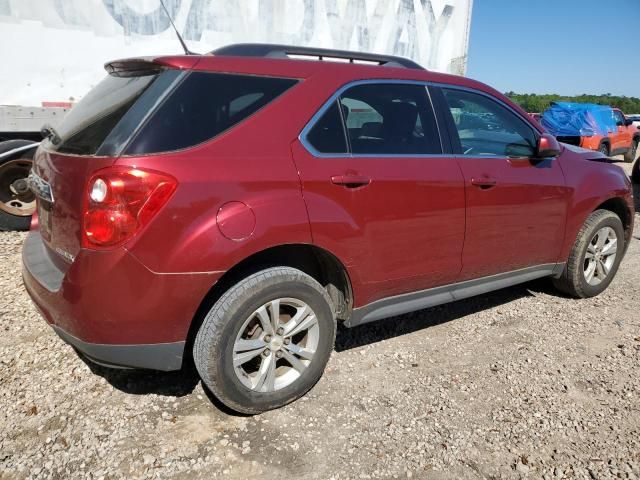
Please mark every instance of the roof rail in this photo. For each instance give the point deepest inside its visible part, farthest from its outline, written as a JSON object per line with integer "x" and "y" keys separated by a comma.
{"x": 288, "y": 51}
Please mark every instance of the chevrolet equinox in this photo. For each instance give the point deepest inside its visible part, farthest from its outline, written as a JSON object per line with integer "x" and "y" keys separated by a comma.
{"x": 231, "y": 208}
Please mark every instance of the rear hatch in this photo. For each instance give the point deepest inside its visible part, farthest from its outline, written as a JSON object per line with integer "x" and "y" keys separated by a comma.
{"x": 143, "y": 107}
{"x": 90, "y": 137}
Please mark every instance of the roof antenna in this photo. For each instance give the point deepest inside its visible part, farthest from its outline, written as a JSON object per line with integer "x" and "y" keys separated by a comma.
{"x": 184, "y": 45}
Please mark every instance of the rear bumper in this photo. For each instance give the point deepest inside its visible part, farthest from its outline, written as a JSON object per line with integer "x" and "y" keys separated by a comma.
{"x": 112, "y": 308}
{"x": 158, "y": 356}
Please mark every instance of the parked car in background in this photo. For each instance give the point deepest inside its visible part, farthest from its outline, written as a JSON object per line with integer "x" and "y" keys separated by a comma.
{"x": 231, "y": 208}
{"x": 596, "y": 127}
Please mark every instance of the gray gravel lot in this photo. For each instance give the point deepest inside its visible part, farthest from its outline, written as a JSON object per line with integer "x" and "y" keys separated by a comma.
{"x": 520, "y": 383}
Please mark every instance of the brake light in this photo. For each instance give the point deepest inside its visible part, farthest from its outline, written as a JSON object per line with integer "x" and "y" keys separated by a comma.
{"x": 120, "y": 201}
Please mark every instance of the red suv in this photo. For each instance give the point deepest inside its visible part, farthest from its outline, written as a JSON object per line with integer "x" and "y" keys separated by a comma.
{"x": 231, "y": 208}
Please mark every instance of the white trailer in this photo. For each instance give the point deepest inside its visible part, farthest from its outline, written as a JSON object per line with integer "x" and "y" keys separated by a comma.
{"x": 52, "y": 51}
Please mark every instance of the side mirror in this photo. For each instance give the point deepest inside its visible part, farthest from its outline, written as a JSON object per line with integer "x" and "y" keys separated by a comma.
{"x": 627, "y": 122}
{"x": 547, "y": 146}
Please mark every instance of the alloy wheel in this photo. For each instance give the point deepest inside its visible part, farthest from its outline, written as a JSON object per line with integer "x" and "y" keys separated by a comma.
{"x": 276, "y": 344}
{"x": 600, "y": 256}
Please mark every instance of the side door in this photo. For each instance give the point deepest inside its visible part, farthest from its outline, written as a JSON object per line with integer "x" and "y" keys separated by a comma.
{"x": 379, "y": 192}
{"x": 622, "y": 139}
{"x": 516, "y": 204}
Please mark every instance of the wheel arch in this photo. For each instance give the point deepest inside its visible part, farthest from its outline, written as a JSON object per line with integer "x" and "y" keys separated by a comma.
{"x": 619, "y": 206}
{"x": 315, "y": 261}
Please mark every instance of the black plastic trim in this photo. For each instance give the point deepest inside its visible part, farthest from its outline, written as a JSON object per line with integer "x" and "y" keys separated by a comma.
{"x": 156, "y": 356}
{"x": 411, "y": 302}
{"x": 446, "y": 125}
{"x": 37, "y": 261}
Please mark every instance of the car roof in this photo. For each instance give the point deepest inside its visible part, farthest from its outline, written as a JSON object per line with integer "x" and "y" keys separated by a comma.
{"x": 297, "y": 68}
{"x": 331, "y": 73}
{"x": 341, "y": 72}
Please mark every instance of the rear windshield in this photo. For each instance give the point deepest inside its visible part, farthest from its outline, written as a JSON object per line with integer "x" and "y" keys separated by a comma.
{"x": 162, "y": 112}
{"x": 87, "y": 125}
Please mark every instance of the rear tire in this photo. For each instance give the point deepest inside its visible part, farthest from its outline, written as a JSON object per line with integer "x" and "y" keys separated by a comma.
{"x": 253, "y": 359}
{"x": 589, "y": 269}
{"x": 630, "y": 156}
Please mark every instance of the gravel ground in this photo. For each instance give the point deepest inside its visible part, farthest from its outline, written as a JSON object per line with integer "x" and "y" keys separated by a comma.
{"x": 521, "y": 383}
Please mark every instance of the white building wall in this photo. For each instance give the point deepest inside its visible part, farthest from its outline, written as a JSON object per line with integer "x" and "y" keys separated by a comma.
{"x": 53, "y": 50}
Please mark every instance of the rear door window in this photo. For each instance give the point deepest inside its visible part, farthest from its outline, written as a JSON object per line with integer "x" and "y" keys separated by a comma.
{"x": 390, "y": 119}
{"x": 202, "y": 106}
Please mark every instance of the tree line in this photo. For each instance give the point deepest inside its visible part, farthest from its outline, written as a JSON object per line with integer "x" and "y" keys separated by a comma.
{"x": 533, "y": 103}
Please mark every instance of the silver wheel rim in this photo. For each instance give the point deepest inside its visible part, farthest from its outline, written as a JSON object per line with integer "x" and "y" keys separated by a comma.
{"x": 276, "y": 344}
{"x": 600, "y": 256}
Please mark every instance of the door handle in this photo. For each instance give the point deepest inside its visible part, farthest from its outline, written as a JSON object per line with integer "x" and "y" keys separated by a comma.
{"x": 350, "y": 181}
{"x": 484, "y": 183}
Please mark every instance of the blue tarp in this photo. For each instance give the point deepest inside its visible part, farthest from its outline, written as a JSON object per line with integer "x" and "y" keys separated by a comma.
{"x": 578, "y": 119}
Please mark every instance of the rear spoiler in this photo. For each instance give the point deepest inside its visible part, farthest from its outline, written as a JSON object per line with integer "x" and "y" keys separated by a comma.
{"x": 141, "y": 66}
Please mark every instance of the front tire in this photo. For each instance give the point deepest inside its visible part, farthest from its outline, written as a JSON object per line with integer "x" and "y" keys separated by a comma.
{"x": 630, "y": 156}
{"x": 266, "y": 341}
{"x": 595, "y": 256}
{"x": 604, "y": 149}
{"x": 635, "y": 172}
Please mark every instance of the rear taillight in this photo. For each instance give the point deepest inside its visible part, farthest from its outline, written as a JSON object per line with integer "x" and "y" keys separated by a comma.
{"x": 120, "y": 201}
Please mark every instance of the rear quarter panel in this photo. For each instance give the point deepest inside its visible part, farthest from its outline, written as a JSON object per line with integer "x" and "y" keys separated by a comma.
{"x": 248, "y": 164}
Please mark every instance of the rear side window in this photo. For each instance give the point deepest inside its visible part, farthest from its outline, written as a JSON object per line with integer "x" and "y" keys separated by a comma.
{"x": 327, "y": 135}
{"x": 203, "y": 106}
